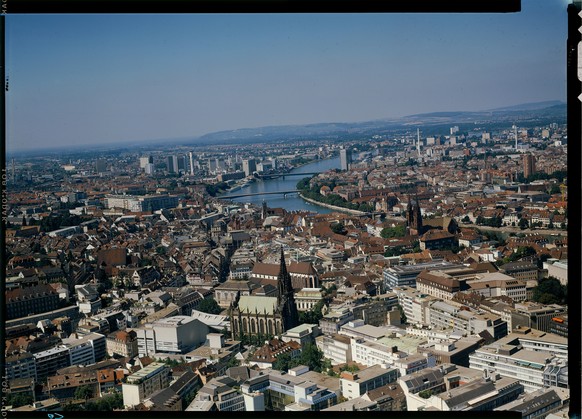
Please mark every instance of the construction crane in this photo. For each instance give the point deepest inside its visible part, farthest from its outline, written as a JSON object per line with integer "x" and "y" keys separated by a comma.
{"x": 563, "y": 188}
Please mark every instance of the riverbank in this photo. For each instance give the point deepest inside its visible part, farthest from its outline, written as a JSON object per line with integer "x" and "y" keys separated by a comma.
{"x": 333, "y": 207}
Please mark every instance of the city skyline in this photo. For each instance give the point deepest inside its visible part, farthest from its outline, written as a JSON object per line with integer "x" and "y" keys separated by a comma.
{"x": 91, "y": 79}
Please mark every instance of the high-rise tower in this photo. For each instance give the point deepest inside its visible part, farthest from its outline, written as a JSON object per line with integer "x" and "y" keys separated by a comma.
{"x": 529, "y": 165}
{"x": 345, "y": 159}
{"x": 190, "y": 154}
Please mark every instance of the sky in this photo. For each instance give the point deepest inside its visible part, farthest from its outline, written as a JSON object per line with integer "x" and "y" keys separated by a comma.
{"x": 95, "y": 79}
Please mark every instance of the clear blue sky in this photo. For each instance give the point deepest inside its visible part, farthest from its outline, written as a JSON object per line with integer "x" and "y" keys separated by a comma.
{"x": 86, "y": 79}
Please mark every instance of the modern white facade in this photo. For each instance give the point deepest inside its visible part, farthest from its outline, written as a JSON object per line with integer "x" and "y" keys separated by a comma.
{"x": 531, "y": 368}
{"x": 336, "y": 348}
{"x": 140, "y": 385}
{"x": 176, "y": 334}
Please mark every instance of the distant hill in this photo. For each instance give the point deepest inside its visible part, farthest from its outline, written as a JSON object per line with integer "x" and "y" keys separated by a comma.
{"x": 533, "y": 112}
{"x": 530, "y": 106}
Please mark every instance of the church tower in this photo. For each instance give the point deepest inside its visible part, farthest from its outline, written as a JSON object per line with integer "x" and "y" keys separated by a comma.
{"x": 414, "y": 216}
{"x": 264, "y": 210}
{"x": 287, "y": 306}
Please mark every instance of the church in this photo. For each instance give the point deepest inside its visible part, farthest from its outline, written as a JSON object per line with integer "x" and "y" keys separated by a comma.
{"x": 255, "y": 315}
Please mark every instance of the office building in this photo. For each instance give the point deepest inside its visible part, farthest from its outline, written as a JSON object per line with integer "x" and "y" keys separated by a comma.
{"x": 141, "y": 203}
{"x": 176, "y": 335}
{"x": 51, "y": 360}
{"x": 529, "y": 165}
{"x": 122, "y": 343}
{"x": 479, "y": 395}
{"x": 445, "y": 315}
{"x": 220, "y": 395}
{"x": 144, "y": 161}
{"x": 354, "y": 385}
{"x": 149, "y": 169}
{"x": 22, "y": 302}
{"x": 182, "y": 164}
{"x": 100, "y": 166}
{"x": 143, "y": 383}
{"x": 533, "y": 369}
{"x": 191, "y": 158}
{"x": 400, "y": 276}
{"x": 249, "y": 166}
{"x": 172, "y": 164}
{"x": 21, "y": 365}
{"x": 345, "y": 158}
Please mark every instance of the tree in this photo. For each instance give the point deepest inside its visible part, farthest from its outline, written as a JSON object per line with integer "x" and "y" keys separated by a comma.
{"x": 312, "y": 316}
{"x": 390, "y": 232}
{"x": 339, "y": 228}
{"x": 549, "y": 291}
{"x": 402, "y": 314}
{"x": 106, "y": 404}
{"x": 84, "y": 392}
{"x": 523, "y": 223}
{"x": 311, "y": 356}
{"x": 284, "y": 362}
{"x": 210, "y": 306}
{"x": 19, "y": 399}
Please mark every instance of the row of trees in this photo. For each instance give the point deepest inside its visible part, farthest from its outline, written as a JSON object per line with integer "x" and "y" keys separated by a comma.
{"x": 393, "y": 232}
{"x": 312, "y": 192}
{"x": 310, "y": 356}
{"x": 213, "y": 190}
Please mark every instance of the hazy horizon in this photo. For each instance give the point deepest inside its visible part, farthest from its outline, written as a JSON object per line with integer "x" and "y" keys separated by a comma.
{"x": 98, "y": 79}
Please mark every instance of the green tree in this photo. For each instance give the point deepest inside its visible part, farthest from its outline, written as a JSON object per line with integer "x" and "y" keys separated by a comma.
{"x": 391, "y": 232}
{"x": 339, "y": 228}
{"x": 312, "y": 316}
{"x": 284, "y": 362}
{"x": 84, "y": 392}
{"x": 19, "y": 399}
{"x": 403, "y": 318}
{"x": 210, "y": 306}
{"x": 311, "y": 356}
{"x": 550, "y": 291}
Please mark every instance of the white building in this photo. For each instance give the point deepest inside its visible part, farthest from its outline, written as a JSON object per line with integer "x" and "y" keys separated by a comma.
{"x": 533, "y": 369}
{"x": 337, "y": 348}
{"x": 354, "y": 385}
{"x": 558, "y": 269}
{"x": 415, "y": 304}
{"x": 176, "y": 334}
{"x": 307, "y": 298}
{"x": 141, "y": 203}
{"x": 140, "y": 385}
{"x": 444, "y": 315}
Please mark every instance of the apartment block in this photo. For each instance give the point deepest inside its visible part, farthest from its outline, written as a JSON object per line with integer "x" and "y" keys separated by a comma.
{"x": 444, "y": 315}
{"x": 533, "y": 369}
{"x": 415, "y": 304}
{"x": 20, "y": 365}
{"x": 354, "y": 385}
{"x": 337, "y": 348}
{"x": 141, "y": 384}
{"x": 49, "y": 361}
{"x": 479, "y": 395}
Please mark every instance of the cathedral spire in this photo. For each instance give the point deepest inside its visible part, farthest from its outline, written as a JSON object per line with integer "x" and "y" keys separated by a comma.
{"x": 286, "y": 297}
{"x": 284, "y": 279}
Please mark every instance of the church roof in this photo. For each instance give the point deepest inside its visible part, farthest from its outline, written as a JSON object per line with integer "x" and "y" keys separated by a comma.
{"x": 260, "y": 304}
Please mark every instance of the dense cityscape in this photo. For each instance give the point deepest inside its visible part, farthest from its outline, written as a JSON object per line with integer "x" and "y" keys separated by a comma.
{"x": 422, "y": 268}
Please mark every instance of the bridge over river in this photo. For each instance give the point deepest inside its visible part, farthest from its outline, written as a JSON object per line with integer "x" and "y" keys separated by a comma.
{"x": 282, "y": 175}
{"x": 241, "y": 195}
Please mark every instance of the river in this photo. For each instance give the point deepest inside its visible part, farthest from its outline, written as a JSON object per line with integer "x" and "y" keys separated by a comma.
{"x": 292, "y": 202}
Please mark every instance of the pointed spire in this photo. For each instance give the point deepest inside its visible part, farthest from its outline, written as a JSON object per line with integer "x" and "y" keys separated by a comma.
{"x": 283, "y": 277}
